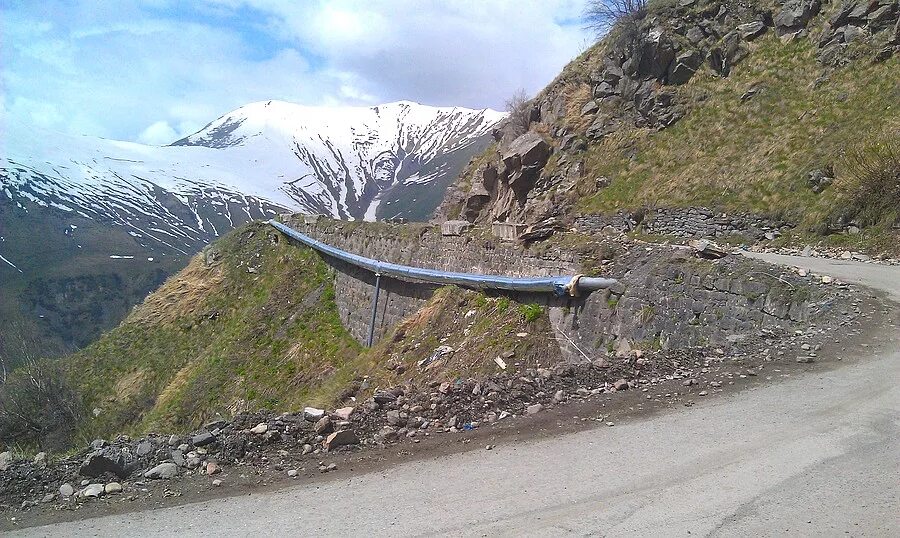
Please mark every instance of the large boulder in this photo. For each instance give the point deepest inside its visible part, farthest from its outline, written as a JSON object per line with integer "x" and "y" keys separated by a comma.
{"x": 105, "y": 460}
{"x": 203, "y": 439}
{"x": 653, "y": 58}
{"x": 752, "y": 30}
{"x": 684, "y": 67}
{"x": 530, "y": 149}
{"x": 475, "y": 202}
{"x": 793, "y": 17}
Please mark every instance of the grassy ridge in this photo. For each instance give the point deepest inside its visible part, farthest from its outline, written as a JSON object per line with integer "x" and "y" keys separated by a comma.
{"x": 257, "y": 327}
{"x": 252, "y": 323}
{"x": 752, "y": 154}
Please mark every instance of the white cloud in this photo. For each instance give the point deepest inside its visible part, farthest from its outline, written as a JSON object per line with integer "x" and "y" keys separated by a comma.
{"x": 158, "y": 133}
{"x": 138, "y": 72}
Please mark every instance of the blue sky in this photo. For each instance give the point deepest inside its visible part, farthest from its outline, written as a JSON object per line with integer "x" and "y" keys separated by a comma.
{"x": 155, "y": 70}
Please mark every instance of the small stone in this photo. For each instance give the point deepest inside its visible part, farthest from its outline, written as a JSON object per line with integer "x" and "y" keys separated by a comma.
{"x": 620, "y": 385}
{"x": 5, "y": 460}
{"x": 163, "y": 470}
{"x": 610, "y": 423}
{"x": 292, "y": 473}
{"x": 341, "y": 438}
{"x": 216, "y": 483}
{"x": 307, "y": 449}
{"x": 534, "y": 409}
{"x": 203, "y": 439}
{"x": 489, "y": 447}
{"x": 703, "y": 393}
{"x": 212, "y": 468}
{"x": 313, "y": 414}
{"x": 48, "y": 498}
{"x": 93, "y": 490}
{"x": 40, "y": 459}
{"x": 174, "y": 440}
{"x": 395, "y": 418}
{"x": 66, "y": 490}
{"x": 324, "y": 426}
{"x": 559, "y": 396}
{"x": 343, "y": 413}
{"x": 260, "y": 428}
{"x": 112, "y": 488}
{"x": 144, "y": 448}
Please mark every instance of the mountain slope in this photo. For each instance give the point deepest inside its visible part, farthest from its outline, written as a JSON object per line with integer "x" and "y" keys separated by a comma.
{"x": 347, "y": 162}
{"x": 752, "y": 109}
{"x": 89, "y": 226}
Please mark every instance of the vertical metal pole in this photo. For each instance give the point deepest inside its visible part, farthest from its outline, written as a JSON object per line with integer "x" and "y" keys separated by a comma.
{"x": 374, "y": 310}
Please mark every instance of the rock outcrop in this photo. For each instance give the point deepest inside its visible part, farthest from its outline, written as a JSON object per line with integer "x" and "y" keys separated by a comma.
{"x": 631, "y": 80}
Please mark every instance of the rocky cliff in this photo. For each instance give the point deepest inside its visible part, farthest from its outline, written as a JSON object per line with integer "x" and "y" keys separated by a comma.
{"x": 722, "y": 106}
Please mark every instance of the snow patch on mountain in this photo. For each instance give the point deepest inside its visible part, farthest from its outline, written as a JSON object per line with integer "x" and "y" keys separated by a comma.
{"x": 251, "y": 163}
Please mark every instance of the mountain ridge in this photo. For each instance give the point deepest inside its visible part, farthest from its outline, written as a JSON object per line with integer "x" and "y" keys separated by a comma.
{"x": 111, "y": 213}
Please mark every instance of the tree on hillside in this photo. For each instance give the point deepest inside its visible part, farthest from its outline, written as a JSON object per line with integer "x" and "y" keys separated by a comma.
{"x": 518, "y": 106}
{"x": 38, "y": 406}
{"x": 601, "y": 16}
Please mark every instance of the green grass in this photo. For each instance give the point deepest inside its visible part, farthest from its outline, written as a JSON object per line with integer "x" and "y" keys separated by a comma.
{"x": 531, "y": 312}
{"x": 218, "y": 339}
{"x": 751, "y": 155}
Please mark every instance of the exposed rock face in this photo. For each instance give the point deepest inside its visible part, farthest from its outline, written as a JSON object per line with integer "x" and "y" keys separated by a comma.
{"x": 793, "y": 17}
{"x": 505, "y": 183}
{"x": 857, "y": 20}
{"x": 633, "y": 82}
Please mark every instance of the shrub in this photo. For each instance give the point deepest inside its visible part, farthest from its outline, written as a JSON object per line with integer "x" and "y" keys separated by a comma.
{"x": 870, "y": 183}
{"x": 531, "y": 312}
{"x": 601, "y": 16}
{"x": 38, "y": 406}
{"x": 518, "y": 106}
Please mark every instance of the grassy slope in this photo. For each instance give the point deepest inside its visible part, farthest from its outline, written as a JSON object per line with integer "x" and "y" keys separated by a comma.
{"x": 69, "y": 290}
{"x": 740, "y": 155}
{"x": 752, "y": 155}
{"x": 217, "y": 339}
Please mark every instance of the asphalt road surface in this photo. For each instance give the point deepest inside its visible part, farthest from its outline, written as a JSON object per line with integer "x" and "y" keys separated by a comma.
{"x": 815, "y": 455}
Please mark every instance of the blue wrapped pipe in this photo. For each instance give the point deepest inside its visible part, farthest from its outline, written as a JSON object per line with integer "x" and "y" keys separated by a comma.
{"x": 559, "y": 285}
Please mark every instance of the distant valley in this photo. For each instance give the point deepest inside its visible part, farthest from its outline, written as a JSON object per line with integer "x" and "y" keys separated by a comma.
{"x": 89, "y": 226}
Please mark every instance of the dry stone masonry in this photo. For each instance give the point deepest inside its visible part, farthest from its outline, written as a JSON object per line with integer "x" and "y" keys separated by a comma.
{"x": 668, "y": 299}
{"x": 696, "y": 222}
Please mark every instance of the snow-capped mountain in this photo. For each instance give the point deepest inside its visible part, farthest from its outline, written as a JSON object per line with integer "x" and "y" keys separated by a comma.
{"x": 350, "y": 162}
{"x": 89, "y": 226}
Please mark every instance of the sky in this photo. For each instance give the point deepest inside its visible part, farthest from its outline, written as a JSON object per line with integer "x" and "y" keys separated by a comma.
{"x": 152, "y": 71}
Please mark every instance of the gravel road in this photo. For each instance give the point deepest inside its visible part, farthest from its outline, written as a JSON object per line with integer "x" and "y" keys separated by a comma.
{"x": 812, "y": 455}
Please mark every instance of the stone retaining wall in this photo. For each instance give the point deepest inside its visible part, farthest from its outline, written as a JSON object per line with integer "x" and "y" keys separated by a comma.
{"x": 418, "y": 245}
{"x": 669, "y": 298}
{"x": 697, "y": 222}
